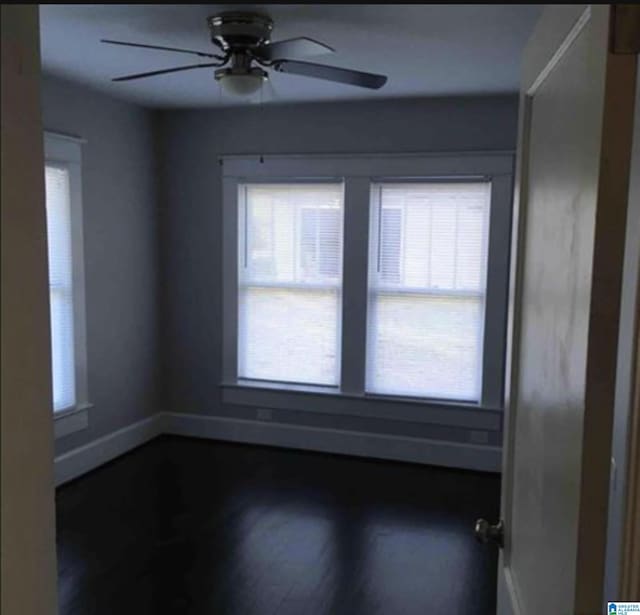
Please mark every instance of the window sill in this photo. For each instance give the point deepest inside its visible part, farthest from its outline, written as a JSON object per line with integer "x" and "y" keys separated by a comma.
{"x": 330, "y": 400}
{"x": 284, "y": 386}
{"x": 71, "y": 420}
{"x": 335, "y": 391}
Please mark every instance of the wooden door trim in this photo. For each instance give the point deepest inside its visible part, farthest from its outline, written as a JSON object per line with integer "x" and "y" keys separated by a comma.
{"x": 630, "y": 539}
{"x": 625, "y": 28}
{"x": 630, "y": 560}
{"x": 630, "y": 572}
{"x": 604, "y": 321}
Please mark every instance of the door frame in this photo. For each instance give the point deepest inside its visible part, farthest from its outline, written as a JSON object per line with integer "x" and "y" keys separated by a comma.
{"x": 28, "y": 571}
{"x": 629, "y": 586}
{"x": 630, "y": 570}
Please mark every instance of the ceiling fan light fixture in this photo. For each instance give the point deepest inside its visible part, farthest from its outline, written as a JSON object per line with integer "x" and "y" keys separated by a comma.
{"x": 241, "y": 83}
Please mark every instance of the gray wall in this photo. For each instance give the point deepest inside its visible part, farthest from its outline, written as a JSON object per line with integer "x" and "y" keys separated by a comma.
{"x": 120, "y": 239}
{"x": 190, "y": 217}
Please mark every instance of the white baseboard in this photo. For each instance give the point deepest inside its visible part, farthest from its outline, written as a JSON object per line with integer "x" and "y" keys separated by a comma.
{"x": 359, "y": 444}
{"x": 85, "y": 458}
{"x": 80, "y": 460}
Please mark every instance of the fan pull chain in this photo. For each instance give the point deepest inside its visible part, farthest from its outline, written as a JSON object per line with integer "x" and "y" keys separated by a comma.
{"x": 261, "y": 122}
{"x": 220, "y": 160}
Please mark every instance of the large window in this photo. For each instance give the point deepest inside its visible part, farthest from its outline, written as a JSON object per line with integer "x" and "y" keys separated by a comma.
{"x": 290, "y": 276}
{"x": 66, "y": 281}
{"x": 417, "y": 311}
{"x": 427, "y": 287}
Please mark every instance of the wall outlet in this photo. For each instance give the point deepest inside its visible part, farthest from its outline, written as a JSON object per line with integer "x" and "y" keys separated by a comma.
{"x": 264, "y": 414}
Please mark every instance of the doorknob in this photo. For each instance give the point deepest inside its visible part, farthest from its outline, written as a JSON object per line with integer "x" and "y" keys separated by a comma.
{"x": 485, "y": 532}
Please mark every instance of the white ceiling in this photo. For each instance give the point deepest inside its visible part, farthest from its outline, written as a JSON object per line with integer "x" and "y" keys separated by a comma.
{"x": 426, "y": 50}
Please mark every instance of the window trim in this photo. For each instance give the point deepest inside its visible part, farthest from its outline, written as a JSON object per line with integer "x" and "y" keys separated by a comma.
{"x": 358, "y": 172}
{"x": 67, "y": 151}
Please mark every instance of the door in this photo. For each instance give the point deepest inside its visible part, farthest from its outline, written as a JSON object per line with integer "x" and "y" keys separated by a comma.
{"x": 576, "y": 115}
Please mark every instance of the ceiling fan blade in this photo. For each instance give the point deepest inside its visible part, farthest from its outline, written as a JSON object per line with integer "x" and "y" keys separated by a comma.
{"x": 176, "y": 49}
{"x": 331, "y": 73}
{"x": 302, "y": 46}
{"x": 164, "y": 71}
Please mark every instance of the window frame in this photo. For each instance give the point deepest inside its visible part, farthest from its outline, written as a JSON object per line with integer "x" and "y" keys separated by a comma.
{"x": 359, "y": 172}
{"x": 66, "y": 151}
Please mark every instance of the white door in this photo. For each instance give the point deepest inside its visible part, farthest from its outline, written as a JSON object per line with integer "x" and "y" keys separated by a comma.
{"x": 576, "y": 115}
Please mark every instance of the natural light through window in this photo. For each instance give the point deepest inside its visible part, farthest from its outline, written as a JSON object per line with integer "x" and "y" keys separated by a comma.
{"x": 290, "y": 278}
{"x": 427, "y": 289}
{"x": 58, "y": 206}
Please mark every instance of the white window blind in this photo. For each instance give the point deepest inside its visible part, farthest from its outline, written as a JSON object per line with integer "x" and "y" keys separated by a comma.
{"x": 427, "y": 289}
{"x": 290, "y": 277}
{"x": 58, "y": 208}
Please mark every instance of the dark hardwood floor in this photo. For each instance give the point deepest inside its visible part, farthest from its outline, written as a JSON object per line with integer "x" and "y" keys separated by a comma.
{"x": 198, "y": 527}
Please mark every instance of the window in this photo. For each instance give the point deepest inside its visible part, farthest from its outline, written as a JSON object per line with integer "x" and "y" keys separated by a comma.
{"x": 66, "y": 280}
{"x": 290, "y": 276}
{"x": 427, "y": 286}
{"x": 414, "y": 320}
{"x": 60, "y": 285}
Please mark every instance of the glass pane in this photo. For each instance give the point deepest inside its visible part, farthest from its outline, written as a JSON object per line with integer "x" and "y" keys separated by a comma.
{"x": 62, "y": 361}
{"x": 433, "y": 236}
{"x": 426, "y": 346}
{"x": 293, "y": 233}
{"x": 289, "y": 335}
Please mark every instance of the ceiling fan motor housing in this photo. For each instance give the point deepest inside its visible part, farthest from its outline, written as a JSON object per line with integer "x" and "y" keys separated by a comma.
{"x": 233, "y": 30}
{"x": 253, "y": 71}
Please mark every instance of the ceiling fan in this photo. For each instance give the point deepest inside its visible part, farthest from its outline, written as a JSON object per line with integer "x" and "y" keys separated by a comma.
{"x": 244, "y": 50}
